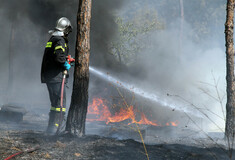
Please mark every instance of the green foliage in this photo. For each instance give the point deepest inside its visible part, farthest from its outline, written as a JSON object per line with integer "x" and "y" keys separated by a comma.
{"x": 133, "y": 33}
{"x": 203, "y": 18}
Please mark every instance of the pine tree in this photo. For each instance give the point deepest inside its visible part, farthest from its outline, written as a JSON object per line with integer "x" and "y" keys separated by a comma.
{"x": 230, "y": 106}
{"x": 79, "y": 102}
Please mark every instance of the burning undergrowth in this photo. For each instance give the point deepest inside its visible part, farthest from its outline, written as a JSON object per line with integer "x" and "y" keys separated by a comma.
{"x": 118, "y": 119}
{"x": 99, "y": 111}
{"x": 116, "y": 111}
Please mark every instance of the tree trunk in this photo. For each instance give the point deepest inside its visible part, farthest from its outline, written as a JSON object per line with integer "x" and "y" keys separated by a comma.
{"x": 79, "y": 102}
{"x": 230, "y": 106}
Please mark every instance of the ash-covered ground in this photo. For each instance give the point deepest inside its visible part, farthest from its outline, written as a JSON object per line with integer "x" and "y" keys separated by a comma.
{"x": 110, "y": 142}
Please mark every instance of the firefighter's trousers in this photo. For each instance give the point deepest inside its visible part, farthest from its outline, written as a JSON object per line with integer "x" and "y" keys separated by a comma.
{"x": 55, "y": 116}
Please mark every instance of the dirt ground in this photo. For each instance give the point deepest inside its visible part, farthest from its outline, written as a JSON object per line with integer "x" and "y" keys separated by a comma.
{"x": 109, "y": 144}
{"x": 97, "y": 147}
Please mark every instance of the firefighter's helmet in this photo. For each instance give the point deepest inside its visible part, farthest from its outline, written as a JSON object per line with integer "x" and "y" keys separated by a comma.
{"x": 63, "y": 24}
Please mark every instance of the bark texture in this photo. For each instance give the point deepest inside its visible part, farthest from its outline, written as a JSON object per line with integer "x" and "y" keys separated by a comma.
{"x": 79, "y": 102}
{"x": 230, "y": 106}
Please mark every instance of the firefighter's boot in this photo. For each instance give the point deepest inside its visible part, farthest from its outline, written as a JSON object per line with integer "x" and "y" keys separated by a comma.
{"x": 51, "y": 128}
{"x": 56, "y": 118}
{"x": 53, "y": 123}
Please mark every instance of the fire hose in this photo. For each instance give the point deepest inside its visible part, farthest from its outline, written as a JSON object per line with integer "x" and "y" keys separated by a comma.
{"x": 25, "y": 151}
{"x": 70, "y": 60}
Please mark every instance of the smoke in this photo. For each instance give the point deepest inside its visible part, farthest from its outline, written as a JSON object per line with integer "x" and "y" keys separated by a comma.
{"x": 189, "y": 73}
{"x": 29, "y": 22}
{"x": 42, "y": 13}
{"x": 192, "y": 70}
{"x": 103, "y": 30}
{"x": 163, "y": 67}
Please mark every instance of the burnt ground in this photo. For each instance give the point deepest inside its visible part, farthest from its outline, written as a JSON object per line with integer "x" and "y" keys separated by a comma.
{"x": 111, "y": 144}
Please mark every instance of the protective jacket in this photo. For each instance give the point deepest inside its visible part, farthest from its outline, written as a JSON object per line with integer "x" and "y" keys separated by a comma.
{"x": 53, "y": 60}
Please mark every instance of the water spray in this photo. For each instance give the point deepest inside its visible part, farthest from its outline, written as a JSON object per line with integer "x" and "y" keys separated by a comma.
{"x": 138, "y": 91}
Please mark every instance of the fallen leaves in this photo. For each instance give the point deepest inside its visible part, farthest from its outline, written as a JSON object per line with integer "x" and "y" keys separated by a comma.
{"x": 47, "y": 156}
{"x": 17, "y": 149}
{"x": 60, "y": 144}
{"x": 77, "y": 154}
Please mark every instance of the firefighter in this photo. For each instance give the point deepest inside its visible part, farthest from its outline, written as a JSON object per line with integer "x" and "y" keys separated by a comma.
{"x": 53, "y": 64}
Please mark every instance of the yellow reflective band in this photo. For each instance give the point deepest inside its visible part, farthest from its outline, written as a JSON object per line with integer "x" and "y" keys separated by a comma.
{"x": 57, "y": 125}
{"x": 59, "y": 47}
{"x": 49, "y": 44}
{"x": 65, "y": 45}
{"x": 58, "y": 109}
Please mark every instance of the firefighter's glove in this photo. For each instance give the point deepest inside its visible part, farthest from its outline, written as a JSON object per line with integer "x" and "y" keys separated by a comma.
{"x": 67, "y": 66}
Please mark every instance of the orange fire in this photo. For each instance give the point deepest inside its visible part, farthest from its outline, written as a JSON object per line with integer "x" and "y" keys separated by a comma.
{"x": 144, "y": 120}
{"x": 98, "y": 109}
{"x": 100, "y": 112}
{"x": 122, "y": 115}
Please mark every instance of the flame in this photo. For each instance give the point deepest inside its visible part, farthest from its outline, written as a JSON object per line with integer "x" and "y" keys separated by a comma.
{"x": 122, "y": 115}
{"x": 98, "y": 109}
{"x": 144, "y": 120}
{"x": 100, "y": 112}
{"x": 174, "y": 123}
